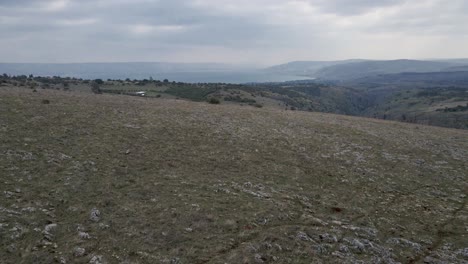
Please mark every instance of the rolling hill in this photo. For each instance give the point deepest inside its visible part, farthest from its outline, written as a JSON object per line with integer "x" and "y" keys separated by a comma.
{"x": 306, "y": 68}
{"x": 106, "y": 178}
{"x": 370, "y": 68}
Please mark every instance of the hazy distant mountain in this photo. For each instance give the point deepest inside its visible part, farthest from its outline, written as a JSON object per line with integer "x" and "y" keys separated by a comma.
{"x": 217, "y": 72}
{"x": 371, "y": 68}
{"x": 457, "y": 61}
{"x": 457, "y": 68}
{"x": 305, "y": 68}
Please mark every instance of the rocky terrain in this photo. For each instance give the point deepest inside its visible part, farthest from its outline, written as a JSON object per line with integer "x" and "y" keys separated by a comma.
{"x": 91, "y": 178}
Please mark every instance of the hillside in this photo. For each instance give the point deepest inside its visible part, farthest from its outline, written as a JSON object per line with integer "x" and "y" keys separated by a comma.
{"x": 438, "y": 99}
{"x": 458, "y": 68}
{"x": 433, "y": 98}
{"x": 117, "y": 179}
{"x": 429, "y": 79}
{"x": 370, "y": 68}
{"x": 305, "y": 68}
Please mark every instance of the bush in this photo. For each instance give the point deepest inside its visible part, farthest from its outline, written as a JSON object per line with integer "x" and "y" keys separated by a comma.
{"x": 257, "y": 105}
{"x": 95, "y": 88}
{"x": 214, "y": 101}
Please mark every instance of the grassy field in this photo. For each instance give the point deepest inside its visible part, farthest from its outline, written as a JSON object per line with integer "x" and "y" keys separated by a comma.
{"x": 119, "y": 179}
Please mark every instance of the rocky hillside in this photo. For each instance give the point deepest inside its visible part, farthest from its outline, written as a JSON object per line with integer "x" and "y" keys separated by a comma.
{"x": 117, "y": 179}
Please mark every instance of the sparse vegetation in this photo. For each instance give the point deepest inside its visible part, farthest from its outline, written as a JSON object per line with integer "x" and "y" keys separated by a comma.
{"x": 424, "y": 103}
{"x": 122, "y": 179}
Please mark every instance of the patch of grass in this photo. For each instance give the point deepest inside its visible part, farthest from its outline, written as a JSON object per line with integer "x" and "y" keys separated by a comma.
{"x": 191, "y": 92}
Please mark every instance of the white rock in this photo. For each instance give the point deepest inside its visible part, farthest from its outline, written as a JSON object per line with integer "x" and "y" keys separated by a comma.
{"x": 84, "y": 235}
{"x": 79, "y": 252}
{"x": 96, "y": 260}
{"x": 95, "y": 215}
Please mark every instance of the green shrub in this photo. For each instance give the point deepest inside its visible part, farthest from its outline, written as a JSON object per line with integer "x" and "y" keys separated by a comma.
{"x": 214, "y": 101}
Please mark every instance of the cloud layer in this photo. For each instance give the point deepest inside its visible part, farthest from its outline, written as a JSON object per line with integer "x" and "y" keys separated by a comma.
{"x": 243, "y": 31}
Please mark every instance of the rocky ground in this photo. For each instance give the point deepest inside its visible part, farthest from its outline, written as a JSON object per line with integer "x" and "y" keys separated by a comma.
{"x": 114, "y": 179}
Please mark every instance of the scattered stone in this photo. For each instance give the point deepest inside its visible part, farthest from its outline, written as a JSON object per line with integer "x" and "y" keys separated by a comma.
{"x": 319, "y": 249}
{"x": 45, "y": 243}
{"x": 84, "y": 235}
{"x": 175, "y": 261}
{"x": 103, "y": 226}
{"x": 405, "y": 243}
{"x": 463, "y": 252}
{"x": 259, "y": 258}
{"x": 95, "y": 215}
{"x": 429, "y": 259}
{"x": 50, "y": 228}
{"x": 62, "y": 156}
{"x": 188, "y": 229}
{"x": 49, "y": 231}
{"x": 303, "y": 236}
{"x": 338, "y": 254}
{"x": 419, "y": 161}
{"x": 327, "y": 238}
{"x": 358, "y": 247}
{"x": 79, "y": 252}
{"x": 343, "y": 249}
{"x": 98, "y": 259}
{"x": 29, "y": 209}
{"x": 11, "y": 248}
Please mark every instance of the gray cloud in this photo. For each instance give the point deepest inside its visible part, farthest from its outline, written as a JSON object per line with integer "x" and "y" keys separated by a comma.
{"x": 355, "y": 7}
{"x": 245, "y": 31}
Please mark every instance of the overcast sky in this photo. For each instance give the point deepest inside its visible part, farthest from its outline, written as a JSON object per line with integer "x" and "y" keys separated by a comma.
{"x": 234, "y": 31}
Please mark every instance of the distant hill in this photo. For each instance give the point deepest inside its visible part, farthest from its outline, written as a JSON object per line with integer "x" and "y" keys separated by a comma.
{"x": 428, "y": 78}
{"x": 218, "y": 72}
{"x": 306, "y": 68}
{"x": 371, "y": 68}
{"x": 458, "y": 61}
{"x": 457, "y": 68}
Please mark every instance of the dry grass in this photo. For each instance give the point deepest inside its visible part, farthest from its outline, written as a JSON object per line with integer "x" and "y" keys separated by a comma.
{"x": 185, "y": 182}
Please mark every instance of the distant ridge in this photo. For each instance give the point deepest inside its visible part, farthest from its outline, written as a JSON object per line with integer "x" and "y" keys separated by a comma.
{"x": 355, "y": 69}
{"x": 369, "y": 68}
{"x": 306, "y": 68}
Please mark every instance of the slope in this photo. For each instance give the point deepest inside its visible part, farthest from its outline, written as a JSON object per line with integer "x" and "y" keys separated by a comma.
{"x": 370, "y": 68}
{"x": 105, "y": 178}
